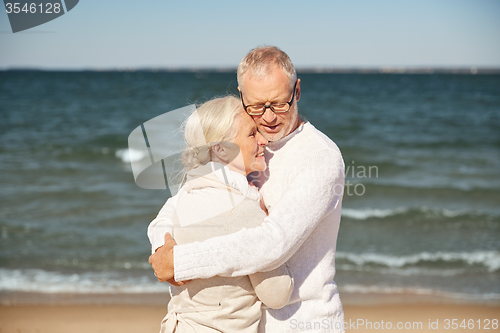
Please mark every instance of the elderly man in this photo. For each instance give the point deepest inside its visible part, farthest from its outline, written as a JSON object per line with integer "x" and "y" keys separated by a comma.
{"x": 302, "y": 189}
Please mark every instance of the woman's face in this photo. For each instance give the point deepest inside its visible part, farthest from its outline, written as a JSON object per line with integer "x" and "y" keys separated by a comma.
{"x": 251, "y": 144}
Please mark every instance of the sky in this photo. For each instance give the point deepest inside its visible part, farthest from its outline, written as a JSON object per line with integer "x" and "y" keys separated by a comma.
{"x": 125, "y": 34}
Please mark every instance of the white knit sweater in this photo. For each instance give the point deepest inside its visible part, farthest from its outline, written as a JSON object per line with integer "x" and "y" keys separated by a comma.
{"x": 302, "y": 189}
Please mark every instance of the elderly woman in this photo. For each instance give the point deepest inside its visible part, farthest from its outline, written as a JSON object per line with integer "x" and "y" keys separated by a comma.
{"x": 223, "y": 147}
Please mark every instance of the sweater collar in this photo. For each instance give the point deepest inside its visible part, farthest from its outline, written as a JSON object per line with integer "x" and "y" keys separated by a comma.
{"x": 278, "y": 144}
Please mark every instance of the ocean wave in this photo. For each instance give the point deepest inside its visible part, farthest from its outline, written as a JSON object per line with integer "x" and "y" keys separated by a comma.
{"x": 365, "y": 289}
{"x": 402, "y": 271}
{"x": 363, "y": 214}
{"x": 128, "y": 155}
{"x": 445, "y": 186}
{"x": 488, "y": 259}
{"x": 367, "y": 213}
{"x": 37, "y": 280}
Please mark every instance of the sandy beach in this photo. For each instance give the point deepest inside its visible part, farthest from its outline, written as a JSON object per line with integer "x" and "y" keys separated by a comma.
{"x": 146, "y": 319}
{"x": 411, "y": 315}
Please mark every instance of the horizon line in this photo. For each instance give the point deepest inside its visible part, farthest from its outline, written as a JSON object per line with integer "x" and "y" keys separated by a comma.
{"x": 300, "y": 69}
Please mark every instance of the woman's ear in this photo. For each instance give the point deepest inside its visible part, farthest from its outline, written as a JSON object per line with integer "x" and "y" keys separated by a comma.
{"x": 219, "y": 151}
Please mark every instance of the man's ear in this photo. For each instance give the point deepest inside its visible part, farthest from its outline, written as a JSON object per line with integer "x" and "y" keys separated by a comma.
{"x": 297, "y": 94}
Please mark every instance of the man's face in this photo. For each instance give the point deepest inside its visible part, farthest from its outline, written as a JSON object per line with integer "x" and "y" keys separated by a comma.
{"x": 272, "y": 88}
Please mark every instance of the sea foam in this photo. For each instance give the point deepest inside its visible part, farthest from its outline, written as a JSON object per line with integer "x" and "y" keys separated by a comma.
{"x": 37, "y": 280}
{"x": 489, "y": 259}
{"x": 129, "y": 155}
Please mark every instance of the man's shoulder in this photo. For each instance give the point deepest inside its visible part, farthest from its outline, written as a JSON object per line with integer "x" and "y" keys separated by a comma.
{"x": 310, "y": 145}
{"x": 315, "y": 140}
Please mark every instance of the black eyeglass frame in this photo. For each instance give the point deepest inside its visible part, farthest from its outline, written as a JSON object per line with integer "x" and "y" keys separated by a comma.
{"x": 268, "y": 106}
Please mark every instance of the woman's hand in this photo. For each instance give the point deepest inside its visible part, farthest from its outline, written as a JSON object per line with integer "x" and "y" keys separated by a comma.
{"x": 163, "y": 261}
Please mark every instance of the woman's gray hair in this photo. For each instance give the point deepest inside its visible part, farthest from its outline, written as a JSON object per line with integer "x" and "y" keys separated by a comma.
{"x": 261, "y": 60}
{"x": 211, "y": 123}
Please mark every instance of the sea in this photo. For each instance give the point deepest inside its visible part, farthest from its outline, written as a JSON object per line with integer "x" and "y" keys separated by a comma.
{"x": 421, "y": 209}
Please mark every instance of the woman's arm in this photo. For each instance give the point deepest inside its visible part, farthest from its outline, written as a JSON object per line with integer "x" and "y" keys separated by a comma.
{"x": 162, "y": 224}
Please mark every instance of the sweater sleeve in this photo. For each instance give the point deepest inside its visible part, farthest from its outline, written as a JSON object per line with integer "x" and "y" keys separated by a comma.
{"x": 315, "y": 191}
{"x": 162, "y": 224}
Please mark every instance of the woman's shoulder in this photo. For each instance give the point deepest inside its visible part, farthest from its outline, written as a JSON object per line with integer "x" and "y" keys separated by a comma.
{"x": 211, "y": 218}
{"x": 247, "y": 214}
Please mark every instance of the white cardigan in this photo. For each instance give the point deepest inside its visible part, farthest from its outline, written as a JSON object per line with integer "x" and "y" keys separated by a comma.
{"x": 208, "y": 207}
{"x": 303, "y": 191}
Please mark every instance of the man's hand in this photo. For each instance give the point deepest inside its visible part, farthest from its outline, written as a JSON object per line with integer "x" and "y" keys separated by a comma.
{"x": 163, "y": 261}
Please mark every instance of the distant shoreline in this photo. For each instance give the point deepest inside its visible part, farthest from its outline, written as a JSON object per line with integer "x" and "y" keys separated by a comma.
{"x": 301, "y": 70}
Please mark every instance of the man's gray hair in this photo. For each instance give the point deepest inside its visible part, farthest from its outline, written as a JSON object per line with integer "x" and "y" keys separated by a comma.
{"x": 261, "y": 60}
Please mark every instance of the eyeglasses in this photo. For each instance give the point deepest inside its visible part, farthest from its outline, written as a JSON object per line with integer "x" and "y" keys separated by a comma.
{"x": 259, "y": 109}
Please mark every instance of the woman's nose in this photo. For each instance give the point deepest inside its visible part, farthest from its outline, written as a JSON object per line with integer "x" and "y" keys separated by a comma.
{"x": 261, "y": 141}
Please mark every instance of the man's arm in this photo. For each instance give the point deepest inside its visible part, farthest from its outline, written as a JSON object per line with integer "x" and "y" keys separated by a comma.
{"x": 316, "y": 191}
{"x": 164, "y": 254}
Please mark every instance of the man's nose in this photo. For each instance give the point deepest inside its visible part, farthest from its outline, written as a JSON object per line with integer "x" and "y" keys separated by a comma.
{"x": 269, "y": 116}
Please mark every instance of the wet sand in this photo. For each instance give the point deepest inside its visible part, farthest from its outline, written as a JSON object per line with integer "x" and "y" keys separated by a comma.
{"x": 408, "y": 314}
